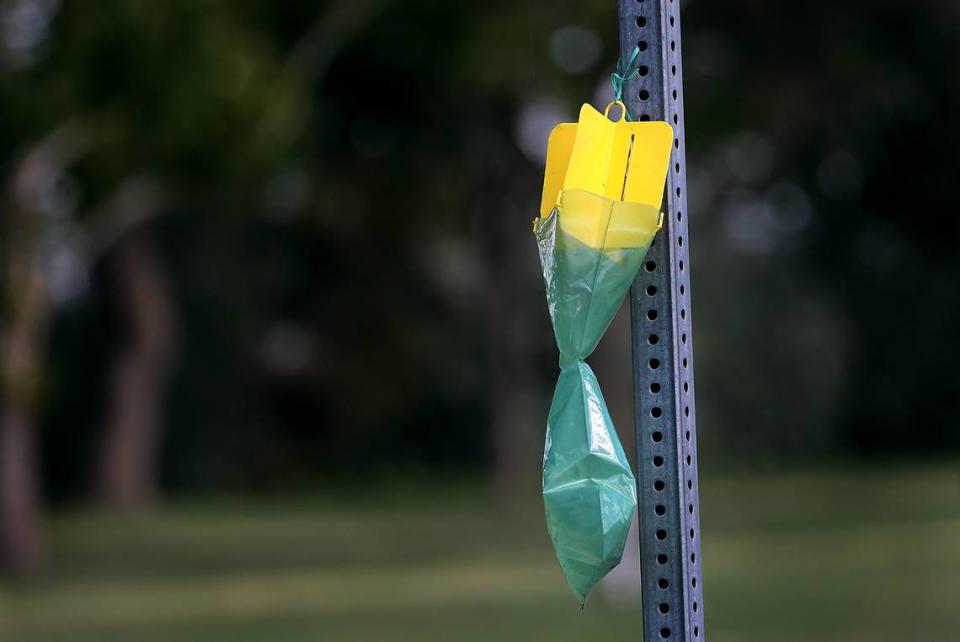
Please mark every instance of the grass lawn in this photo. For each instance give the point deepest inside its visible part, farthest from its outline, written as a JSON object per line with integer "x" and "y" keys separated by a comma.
{"x": 865, "y": 555}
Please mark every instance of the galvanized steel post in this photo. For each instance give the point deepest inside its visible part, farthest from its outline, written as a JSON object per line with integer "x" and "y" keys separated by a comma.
{"x": 663, "y": 348}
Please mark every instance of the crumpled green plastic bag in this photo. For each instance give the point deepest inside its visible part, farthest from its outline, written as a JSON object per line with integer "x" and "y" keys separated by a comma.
{"x": 591, "y": 249}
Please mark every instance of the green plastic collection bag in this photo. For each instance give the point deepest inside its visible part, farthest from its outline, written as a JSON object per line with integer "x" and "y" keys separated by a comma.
{"x": 591, "y": 248}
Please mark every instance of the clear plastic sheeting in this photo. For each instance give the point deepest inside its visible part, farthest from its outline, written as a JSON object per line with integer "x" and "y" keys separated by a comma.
{"x": 591, "y": 248}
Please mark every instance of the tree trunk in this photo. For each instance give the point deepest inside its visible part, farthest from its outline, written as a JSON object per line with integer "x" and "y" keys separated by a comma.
{"x": 517, "y": 416}
{"x": 129, "y": 450}
{"x": 516, "y": 324}
{"x": 613, "y": 363}
{"x": 23, "y": 343}
{"x": 22, "y": 552}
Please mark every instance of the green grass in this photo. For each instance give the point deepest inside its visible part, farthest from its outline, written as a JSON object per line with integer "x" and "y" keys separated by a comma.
{"x": 867, "y": 555}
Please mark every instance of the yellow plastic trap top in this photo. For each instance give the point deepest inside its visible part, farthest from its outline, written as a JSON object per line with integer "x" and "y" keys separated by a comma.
{"x": 625, "y": 162}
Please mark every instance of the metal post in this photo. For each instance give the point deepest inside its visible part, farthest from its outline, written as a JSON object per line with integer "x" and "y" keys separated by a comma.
{"x": 662, "y": 348}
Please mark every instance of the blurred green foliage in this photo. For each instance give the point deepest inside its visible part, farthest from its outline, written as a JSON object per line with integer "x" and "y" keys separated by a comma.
{"x": 353, "y": 207}
{"x": 189, "y": 90}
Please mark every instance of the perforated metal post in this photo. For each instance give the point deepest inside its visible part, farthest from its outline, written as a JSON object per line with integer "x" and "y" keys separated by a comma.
{"x": 662, "y": 348}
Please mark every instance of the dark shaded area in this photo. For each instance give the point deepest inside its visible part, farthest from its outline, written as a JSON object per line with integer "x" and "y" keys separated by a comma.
{"x": 345, "y": 224}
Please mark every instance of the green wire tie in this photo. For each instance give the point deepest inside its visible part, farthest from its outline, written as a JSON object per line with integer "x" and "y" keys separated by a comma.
{"x": 620, "y": 77}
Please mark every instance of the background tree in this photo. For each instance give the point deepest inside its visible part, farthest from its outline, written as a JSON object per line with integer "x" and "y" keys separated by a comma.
{"x": 188, "y": 94}
{"x": 331, "y": 217}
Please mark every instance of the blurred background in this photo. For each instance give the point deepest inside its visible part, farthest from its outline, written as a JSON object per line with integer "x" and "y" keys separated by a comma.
{"x": 275, "y": 352}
